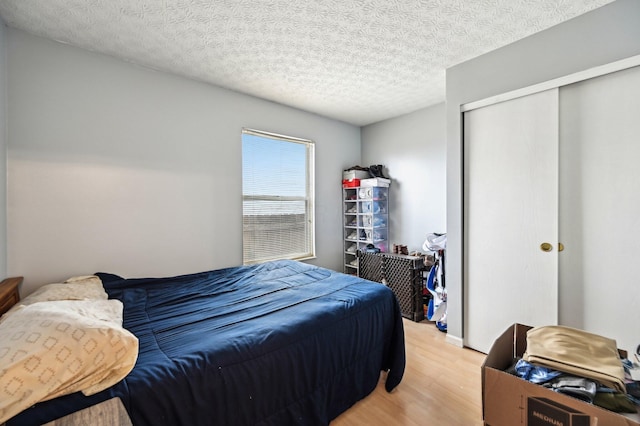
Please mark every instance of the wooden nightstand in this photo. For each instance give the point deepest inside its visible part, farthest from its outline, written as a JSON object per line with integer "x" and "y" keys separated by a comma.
{"x": 9, "y": 295}
{"x": 108, "y": 413}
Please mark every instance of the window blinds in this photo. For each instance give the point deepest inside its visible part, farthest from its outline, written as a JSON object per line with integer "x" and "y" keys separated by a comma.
{"x": 277, "y": 196}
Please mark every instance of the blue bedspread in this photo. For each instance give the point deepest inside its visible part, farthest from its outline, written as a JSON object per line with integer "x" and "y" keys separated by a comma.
{"x": 272, "y": 344}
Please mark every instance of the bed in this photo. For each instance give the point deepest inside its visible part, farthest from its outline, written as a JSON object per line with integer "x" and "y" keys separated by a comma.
{"x": 272, "y": 344}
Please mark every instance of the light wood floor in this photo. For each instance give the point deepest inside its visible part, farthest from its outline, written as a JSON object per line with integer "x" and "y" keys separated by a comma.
{"x": 440, "y": 387}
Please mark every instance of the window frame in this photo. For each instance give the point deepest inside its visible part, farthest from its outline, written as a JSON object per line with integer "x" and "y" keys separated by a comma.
{"x": 308, "y": 198}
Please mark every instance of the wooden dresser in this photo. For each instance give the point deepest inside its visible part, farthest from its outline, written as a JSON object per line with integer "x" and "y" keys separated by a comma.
{"x": 9, "y": 295}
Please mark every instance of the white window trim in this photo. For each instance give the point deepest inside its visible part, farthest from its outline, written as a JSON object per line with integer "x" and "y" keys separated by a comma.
{"x": 310, "y": 170}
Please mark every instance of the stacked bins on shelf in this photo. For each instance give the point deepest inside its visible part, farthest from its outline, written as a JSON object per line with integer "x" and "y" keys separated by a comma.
{"x": 366, "y": 220}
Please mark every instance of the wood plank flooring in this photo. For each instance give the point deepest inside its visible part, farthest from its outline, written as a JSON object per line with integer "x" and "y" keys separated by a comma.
{"x": 441, "y": 386}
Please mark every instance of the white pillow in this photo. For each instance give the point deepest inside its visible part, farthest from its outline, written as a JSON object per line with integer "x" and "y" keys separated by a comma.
{"x": 77, "y": 288}
{"x": 82, "y": 278}
{"x": 54, "y": 348}
{"x": 87, "y": 287}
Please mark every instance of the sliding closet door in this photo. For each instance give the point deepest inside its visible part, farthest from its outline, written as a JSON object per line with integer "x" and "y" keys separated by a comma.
{"x": 511, "y": 209}
{"x": 600, "y": 206}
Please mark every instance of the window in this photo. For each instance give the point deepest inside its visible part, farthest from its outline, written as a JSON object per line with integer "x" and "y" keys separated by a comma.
{"x": 277, "y": 197}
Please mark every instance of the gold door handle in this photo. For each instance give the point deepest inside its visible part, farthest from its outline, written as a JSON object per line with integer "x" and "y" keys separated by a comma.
{"x": 560, "y": 246}
{"x": 546, "y": 247}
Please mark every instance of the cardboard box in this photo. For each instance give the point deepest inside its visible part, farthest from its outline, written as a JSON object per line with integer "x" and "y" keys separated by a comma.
{"x": 543, "y": 411}
{"x": 506, "y": 399}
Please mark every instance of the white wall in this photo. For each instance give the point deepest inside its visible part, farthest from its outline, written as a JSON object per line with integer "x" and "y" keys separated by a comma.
{"x": 412, "y": 148}
{"x": 114, "y": 167}
{"x": 602, "y": 36}
{"x": 3, "y": 149}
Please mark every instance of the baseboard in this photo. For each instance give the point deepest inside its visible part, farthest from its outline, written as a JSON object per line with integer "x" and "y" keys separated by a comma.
{"x": 455, "y": 341}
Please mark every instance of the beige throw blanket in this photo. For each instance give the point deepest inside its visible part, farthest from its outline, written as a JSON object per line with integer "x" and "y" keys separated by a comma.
{"x": 576, "y": 352}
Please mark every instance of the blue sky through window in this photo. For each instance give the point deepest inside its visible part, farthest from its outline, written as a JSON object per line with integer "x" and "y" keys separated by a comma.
{"x": 273, "y": 167}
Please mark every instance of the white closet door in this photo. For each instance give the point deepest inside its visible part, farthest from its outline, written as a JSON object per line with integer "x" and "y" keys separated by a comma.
{"x": 600, "y": 206}
{"x": 511, "y": 208}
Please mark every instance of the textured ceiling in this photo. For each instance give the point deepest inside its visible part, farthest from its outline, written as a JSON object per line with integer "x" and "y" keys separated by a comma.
{"x": 359, "y": 61}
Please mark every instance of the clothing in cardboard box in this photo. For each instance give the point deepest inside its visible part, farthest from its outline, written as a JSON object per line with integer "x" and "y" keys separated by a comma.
{"x": 576, "y": 352}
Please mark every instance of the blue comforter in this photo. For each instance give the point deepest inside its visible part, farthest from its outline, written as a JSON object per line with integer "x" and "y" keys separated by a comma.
{"x": 272, "y": 344}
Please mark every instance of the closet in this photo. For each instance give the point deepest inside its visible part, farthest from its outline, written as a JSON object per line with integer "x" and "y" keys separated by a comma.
{"x": 552, "y": 210}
